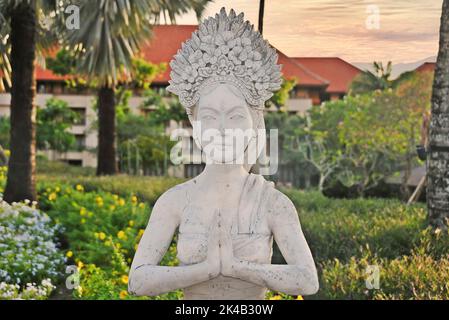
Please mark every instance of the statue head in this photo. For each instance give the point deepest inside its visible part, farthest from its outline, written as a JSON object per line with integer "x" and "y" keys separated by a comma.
{"x": 223, "y": 75}
{"x": 225, "y": 127}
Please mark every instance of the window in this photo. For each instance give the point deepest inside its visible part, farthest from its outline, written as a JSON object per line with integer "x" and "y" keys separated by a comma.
{"x": 77, "y": 163}
{"x": 80, "y": 141}
{"x": 81, "y": 112}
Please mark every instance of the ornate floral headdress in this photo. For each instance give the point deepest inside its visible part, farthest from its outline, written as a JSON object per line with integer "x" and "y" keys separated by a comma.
{"x": 225, "y": 49}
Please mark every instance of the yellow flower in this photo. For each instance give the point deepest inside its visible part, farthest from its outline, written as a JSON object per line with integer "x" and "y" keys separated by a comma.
{"x": 79, "y": 289}
{"x": 121, "y": 234}
{"x": 69, "y": 254}
{"x": 99, "y": 201}
{"x": 135, "y": 247}
{"x": 131, "y": 223}
{"x": 141, "y": 205}
{"x": 141, "y": 231}
{"x": 79, "y": 187}
{"x": 80, "y": 264}
{"x": 52, "y": 196}
{"x": 134, "y": 199}
{"x": 83, "y": 211}
{"x": 101, "y": 235}
{"x": 299, "y": 298}
{"x": 123, "y": 294}
{"x": 112, "y": 207}
{"x": 57, "y": 189}
{"x": 124, "y": 279}
{"x": 276, "y": 297}
{"x": 115, "y": 196}
{"x": 121, "y": 202}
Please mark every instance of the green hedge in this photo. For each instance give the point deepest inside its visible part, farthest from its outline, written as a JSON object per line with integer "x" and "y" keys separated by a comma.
{"x": 145, "y": 188}
{"x": 347, "y": 236}
{"x": 338, "y": 228}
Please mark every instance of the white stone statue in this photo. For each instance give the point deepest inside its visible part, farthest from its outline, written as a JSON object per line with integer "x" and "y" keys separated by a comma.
{"x": 226, "y": 218}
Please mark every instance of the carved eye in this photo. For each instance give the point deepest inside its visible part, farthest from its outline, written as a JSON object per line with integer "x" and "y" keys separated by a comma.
{"x": 208, "y": 117}
{"x": 237, "y": 116}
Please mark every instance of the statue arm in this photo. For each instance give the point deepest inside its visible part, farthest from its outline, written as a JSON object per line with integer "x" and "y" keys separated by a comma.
{"x": 299, "y": 277}
{"x": 146, "y": 277}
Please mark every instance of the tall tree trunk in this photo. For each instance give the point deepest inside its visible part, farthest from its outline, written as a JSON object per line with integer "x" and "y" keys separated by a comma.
{"x": 438, "y": 155}
{"x": 261, "y": 14}
{"x": 107, "y": 164}
{"x": 20, "y": 183}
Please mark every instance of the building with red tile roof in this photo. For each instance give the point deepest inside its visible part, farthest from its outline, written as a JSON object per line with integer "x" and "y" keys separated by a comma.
{"x": 318, "y": 79}
{"x": 426, "y": 67}
{"x": 336, "y": 71}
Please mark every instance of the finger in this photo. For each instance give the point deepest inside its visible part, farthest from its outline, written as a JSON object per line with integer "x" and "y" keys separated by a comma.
{"x": 214, "y": 236}
{"x": 225, "y": 238}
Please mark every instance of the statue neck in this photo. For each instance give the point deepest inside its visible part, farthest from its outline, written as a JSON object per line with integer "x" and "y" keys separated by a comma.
{"x": 224, "y": 173}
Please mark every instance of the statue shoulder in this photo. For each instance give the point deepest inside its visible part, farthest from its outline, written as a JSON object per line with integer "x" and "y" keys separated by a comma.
{"x": 174, "y": 198}
{"x": 278, "y": 204}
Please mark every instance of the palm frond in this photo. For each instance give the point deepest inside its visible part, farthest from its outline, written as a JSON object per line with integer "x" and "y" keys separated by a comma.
{"x": 109, "y": 37}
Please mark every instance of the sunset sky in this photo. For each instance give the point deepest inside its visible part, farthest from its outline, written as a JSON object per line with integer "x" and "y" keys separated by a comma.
{"x": 408, "y": 29}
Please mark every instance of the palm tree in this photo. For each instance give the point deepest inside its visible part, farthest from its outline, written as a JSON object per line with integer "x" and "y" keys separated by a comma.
{"x": 380, "y": 79}
{"x": 438, "y": 155}
{"x": 22, "y": 36}
{"x": 369, "y": 81}
{"x": 110, "y": 36}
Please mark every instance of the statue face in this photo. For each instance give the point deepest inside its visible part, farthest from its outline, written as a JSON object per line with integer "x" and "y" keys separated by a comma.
{"x": 223, "y": 124}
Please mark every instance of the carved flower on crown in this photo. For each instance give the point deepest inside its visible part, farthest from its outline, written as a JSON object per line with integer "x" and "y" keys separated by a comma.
{"x": 206, "y": 72}
{"x": 262, "y": 83}
{"x": 238, "y": 55}
{"x": 262, "y": 86}
{"x": 209, "y": 58}
{"x": 239, "y": 70}
{"x": 189, "y": 74}
{"x": 225, "y": 41}
{"x": 196, "y": 59}
{"x": 223, "y": 66}
{"x": 254, "y": 60}
{"x": 185, "y": 86}
{"x": 257, "y": 75}
{"x": 208, "y": 45}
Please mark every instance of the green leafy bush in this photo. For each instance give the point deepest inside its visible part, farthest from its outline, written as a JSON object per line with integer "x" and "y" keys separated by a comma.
{"x": 93, "y": 219}
{"x": 102, "y": 231}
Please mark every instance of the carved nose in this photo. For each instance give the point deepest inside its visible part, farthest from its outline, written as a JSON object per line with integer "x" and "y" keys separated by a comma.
{"x": 221, "y": 128}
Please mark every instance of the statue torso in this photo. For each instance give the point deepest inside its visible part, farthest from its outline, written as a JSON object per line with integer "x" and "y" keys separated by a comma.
{"x": 252, "y": 238}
